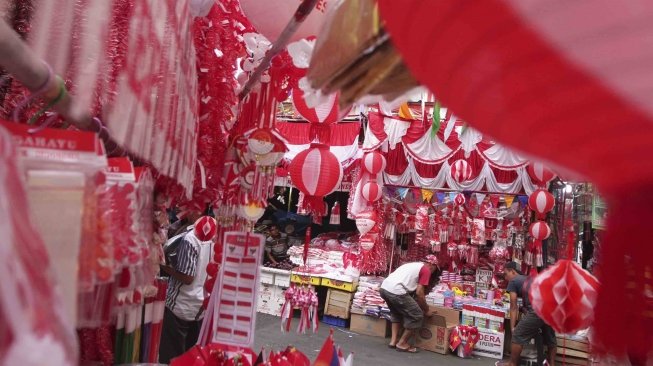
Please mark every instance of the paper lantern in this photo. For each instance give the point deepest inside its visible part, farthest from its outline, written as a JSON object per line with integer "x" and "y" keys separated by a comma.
{"x": 564, "y": 296}
{"x": 540, "y": 174}
{"x": 365, "y": 221}
{"x": 260, "y": 141}
{"x": 541, "y": 201}
{"x": 271, "y": 16}
{"x": 459, "y": 199}
{"x": 374, "y": 163}
{"x": 461, "y": 171}
{"x": 372, "y": 191}
{"x": 316, "y": 172}
{"x": 539, "y": 230}
{"x": 326, "y": 112}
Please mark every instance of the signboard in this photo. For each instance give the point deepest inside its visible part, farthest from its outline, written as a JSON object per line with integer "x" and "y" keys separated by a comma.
{"x": 490, "y": 344}
{"x": 483, "y": 276}
{"x": 234, "y": 316}
{"x": 599, "y": 212}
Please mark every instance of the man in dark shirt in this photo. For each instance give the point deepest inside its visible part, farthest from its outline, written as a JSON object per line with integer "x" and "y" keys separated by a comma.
{"x": 530, "y": 324}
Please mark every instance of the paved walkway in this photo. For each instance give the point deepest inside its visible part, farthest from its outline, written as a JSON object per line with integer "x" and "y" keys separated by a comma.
{"x": 367, "y": 350}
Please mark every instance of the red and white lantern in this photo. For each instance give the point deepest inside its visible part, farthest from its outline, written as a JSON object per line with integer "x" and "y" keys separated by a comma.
{"x": 541, "y": 201}
{"x": 374, "y": 163}
{"x": 316, "y": 172}
{"x": 461, "y": 171}
{"x": 326, "y": 112}
{"x": 459, "y": 199}
{"x": 564, "y": 296}
{"x": 539, "y": 230}
{"x": 372, "y": 191}
{"x": 540, "y": 174}
{"x": 260, "y": 141}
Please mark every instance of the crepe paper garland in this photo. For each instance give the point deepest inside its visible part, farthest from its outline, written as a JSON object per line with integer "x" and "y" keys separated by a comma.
{"x": 372, "y": 191}
{"x": 365, "y": 221}
{"x": 541, "y": 201}
{"x": 374, "y": 163}
{"x": 316, "y": 172}
{"x": 461, "y": 171}
{"x": 564, "y": 296}
{"x": 540, "y": 174}
{"x": 270, "y": 17}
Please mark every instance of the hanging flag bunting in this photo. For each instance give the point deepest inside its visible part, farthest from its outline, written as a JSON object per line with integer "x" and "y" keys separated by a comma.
{"x": 427, "y": 195}
{"x": 523, "y": 200}
{"x": 436, "y": 119}
{"x": 390, "y": 191}
{"x": 452, "y": 196}
{"x": 440, "y": 196}
{"x": 467, "y": 194}
{"x": 509, "y": 199}
{"x": 402, "y": 192}
{"x": 494, "y": 199}
{"x": 480, "y": 197}
{"x": 404, "y": 112}
{"x": 417, "y": 193}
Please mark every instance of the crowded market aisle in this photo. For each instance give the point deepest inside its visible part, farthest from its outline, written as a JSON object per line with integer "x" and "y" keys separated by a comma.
{"x": 367, "y": 350}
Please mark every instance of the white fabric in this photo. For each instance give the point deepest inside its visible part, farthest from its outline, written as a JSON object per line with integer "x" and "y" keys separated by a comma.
{"x": 439, "y": 181}
{"x": 395, "y": 129}
{"x": 503, "y": 158}
{"x": 371, "y": 142}
{"x": 191, "y": 296}
{"x": 404, "y": 279}
{"x": 429, "y": 149}
{"x": 469, "y": 139}
{"x": 344, "y": 153}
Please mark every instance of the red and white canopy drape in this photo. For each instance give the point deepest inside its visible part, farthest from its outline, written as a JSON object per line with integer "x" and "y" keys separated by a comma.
{"x": 417, "y": 156}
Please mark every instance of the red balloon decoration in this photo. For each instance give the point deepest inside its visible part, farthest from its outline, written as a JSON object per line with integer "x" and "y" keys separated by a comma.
{"x": 540, "y": 174}
{"x": 374, "y": 163}
{"x": 316, "y": 172}
{"x": 372, "y": 191}
{"x": 327, "y": 112}
{"x": 541, "y": 201}
{"x": 539, "y": 230}
{"x": 461, "y": 171}
{"x": 564, "y": 296}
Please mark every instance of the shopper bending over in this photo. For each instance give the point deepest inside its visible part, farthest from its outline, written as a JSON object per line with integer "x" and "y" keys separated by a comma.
{"x": 405, "y": 293}
{"x": 183, "y": 315}
{"x": 530, "y": 324}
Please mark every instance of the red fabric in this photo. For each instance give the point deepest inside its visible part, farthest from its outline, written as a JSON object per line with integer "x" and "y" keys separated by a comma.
{"x": 498, "y": 72}
{"x": 424, "y": 276}
{"x": 416, "y": 130}
{"x": 397, "y": 162}
{"x": 298, "y": 133}
{"x": 376, "y": 124}
{"x": 427, "y": 170}
{"x": 504, "y": 176}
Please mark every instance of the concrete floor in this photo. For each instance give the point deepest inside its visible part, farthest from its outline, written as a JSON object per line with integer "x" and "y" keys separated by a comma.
{"x": 367, "y": 350}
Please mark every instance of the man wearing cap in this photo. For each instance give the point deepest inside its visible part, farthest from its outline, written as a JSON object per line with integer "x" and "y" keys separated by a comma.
{"x": 183, "y": 315}
{"x": 530, "y": 324}
{"x": 405, "y": 293}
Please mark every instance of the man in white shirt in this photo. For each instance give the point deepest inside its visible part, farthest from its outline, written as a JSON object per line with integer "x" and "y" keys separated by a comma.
{"x": 405, "y": 293}
{"x": 183, "y": 315}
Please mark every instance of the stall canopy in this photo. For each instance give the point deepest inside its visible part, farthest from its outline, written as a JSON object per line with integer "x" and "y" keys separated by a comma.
{"x": 416, "y": 155}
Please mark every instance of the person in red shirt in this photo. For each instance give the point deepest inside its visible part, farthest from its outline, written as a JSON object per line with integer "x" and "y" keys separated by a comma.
{"x": 405, "y": 293}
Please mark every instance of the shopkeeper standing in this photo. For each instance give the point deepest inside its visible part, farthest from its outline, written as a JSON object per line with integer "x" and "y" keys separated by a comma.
{"x": 183, "y": 315}
{"x": 405, "y": 293}
{"x": 530, "y": 324}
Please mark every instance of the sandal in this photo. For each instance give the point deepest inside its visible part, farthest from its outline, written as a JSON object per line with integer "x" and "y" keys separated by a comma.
{"x": 408, "y": 350}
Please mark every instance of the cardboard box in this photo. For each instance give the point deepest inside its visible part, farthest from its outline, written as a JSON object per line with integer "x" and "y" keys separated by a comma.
{"x": 434, "y": 335}
{"x": 368, "y": 325}
{"x": 338, "y": 303}
{"x": 340, "y": 285}
{"x": 490, "y": 344}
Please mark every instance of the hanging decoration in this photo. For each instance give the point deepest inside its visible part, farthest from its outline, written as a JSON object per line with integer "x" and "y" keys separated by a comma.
{"x": 374, "y": 163}
{"x": 316, "y": 172}
{"x": 304, "y": 298}
{"x": 461, "y": 171}
{"x": 540, "y": 174}
{"x": 372, "y": 191}
{"x": 334, "y": 219}
{"x": 564, "y": 296}
{"x": 326, "y": 112}
{"x": 270, "y": 17}
{"x": 365, "y": 221}
{"x": 541, "y": 201}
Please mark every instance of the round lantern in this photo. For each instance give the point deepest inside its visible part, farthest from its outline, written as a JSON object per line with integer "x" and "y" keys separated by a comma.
{"x": 365, "y": 221}
{"x": 252, "y": 210}
{"x": 271, "y": 16}
{"x": 326, "y": 112}
{"x": 540, "y": 174}
{"x": 316, "y": 172}
{"x": 374, "y": 163}
{"x": 541, "y": 201}
{"x": 539, "y": 230}
{"x": 564, "y": 296}
{"x": 260, "y": 141}
{"x": 372, "y": 191}
{"x": 461, "y": 171}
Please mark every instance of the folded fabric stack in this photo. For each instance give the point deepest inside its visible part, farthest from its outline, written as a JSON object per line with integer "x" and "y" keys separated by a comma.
{"x": 450, "y": 277}
{"x": 367, "y": 299}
